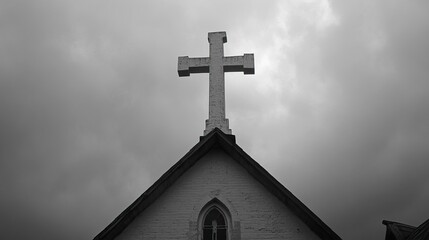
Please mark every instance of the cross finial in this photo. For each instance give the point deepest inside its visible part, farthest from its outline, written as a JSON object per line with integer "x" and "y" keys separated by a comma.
{"x": 216, "y": 65}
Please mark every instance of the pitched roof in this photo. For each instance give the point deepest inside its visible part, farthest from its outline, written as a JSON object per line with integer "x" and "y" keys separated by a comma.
{"x": 400, "y": 231}
{"x": 397, "y": 231}
{"x": 421, "y": 232}
{"x": 216, "y": 138}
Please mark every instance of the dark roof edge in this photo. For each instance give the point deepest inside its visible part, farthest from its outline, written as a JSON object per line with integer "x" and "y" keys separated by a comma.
{"x": 227, "y": 142}
{"x": 421, "y": 232}
{"x": 387, "y": 222}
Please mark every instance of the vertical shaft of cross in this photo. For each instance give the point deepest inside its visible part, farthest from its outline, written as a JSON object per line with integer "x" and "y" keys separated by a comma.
{"x": 217, "y": 84}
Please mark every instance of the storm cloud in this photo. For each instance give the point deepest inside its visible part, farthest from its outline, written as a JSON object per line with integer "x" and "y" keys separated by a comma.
{"x": 93, "y": 111}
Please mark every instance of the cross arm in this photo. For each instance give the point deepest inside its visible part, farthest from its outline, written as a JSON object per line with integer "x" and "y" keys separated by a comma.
{"x": 245, "y": 64}
{"x": 187, "y": 65}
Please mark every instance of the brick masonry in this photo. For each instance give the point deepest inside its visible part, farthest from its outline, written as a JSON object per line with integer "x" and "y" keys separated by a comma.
{"x": 254, "y": 212}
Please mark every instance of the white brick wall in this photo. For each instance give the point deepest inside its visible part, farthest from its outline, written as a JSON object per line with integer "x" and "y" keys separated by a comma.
{"x": 257, "y": 213}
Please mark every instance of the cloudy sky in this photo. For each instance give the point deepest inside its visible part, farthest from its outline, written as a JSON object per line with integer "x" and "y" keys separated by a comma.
{"x": 93, "y": 111}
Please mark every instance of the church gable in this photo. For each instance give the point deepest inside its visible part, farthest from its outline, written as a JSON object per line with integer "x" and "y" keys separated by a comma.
{"x": 251, "y": 211}
{"x": 216, "y": 180}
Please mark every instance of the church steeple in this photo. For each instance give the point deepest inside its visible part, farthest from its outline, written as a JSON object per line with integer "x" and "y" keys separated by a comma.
{"x": 216, "y": 65}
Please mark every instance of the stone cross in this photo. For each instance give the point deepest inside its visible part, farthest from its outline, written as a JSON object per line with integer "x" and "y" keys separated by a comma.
{"x": 216, "y": 65}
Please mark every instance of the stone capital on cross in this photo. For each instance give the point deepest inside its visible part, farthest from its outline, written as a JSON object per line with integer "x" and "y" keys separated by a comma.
{"x": 216, "y": 65}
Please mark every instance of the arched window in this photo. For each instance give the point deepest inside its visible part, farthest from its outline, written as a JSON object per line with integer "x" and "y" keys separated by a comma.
{"x": 215, "y": 221}
{"x": 215, "y": 226}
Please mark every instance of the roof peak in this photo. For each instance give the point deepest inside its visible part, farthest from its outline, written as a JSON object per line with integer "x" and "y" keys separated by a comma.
{"x": 216, "y": 130}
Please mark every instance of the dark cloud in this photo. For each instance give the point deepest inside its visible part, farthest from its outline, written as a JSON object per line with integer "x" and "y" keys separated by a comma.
{"x": 368, "y": 142}
{"x": 93, "y": 111}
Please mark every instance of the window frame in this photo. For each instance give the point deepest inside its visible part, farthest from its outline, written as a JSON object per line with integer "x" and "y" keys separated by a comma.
{"x": 219, "y": 206}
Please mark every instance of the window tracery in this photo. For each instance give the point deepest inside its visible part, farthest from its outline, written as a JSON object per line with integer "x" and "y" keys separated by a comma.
{"x": 214, "y": 221}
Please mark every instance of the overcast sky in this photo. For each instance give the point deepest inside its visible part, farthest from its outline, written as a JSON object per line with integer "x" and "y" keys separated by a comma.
{"x": 93, "y": 111}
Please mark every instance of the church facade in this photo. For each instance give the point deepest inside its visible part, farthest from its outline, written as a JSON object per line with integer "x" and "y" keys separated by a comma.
{"x": 217, "y": 191}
